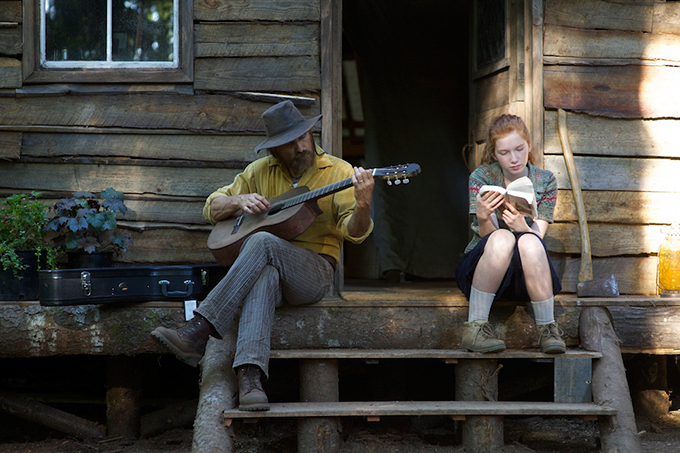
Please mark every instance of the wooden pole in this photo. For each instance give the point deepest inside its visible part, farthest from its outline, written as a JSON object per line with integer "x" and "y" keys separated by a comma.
{"x": 48, "y": 416}
{"x": 610, "y": 387}
{"x": 123, "y": 397}
{"x": 477, "y": 380}
{"x": 218, "y": 392}
{"x": 319, "y": 382}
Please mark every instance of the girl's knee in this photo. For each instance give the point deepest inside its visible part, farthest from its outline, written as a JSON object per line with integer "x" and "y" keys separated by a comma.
{"x": 530, "y": 245}
{"x": 501, "y": 241}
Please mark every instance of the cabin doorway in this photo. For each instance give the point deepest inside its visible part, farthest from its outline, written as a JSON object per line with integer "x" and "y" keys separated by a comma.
{"x": 406, "y": 100}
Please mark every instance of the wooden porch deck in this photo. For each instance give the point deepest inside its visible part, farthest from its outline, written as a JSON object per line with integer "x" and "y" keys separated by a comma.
{"x": 366, "y": 315}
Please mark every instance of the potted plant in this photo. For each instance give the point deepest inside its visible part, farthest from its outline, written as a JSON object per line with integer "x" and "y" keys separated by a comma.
{"x": 23, "y": 248}
{"x": 85, "y": 227}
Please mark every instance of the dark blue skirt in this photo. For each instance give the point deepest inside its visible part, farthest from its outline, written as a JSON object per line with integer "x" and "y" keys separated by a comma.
{"x": 513, "y": 286}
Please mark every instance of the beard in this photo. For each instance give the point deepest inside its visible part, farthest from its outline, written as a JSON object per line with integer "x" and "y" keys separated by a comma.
{"x": 301, "y": 162}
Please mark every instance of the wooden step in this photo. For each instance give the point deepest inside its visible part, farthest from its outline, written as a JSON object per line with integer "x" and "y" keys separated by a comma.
{"x": 445, "y": 354}
{"x": 420, "y": 408}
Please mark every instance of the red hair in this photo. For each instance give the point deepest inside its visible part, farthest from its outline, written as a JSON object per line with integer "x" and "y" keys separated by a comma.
{"x": 501, "y": 127}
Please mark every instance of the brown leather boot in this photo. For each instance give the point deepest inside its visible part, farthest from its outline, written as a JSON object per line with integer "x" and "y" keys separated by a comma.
{"x": 251, "y": 396}
{"x": 187, "y": 343}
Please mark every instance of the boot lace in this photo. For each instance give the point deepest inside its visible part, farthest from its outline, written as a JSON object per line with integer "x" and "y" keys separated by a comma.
{"x": 551, "y": 331}
{"x": 487, "y": 331}
{"x": 250, "y": 379}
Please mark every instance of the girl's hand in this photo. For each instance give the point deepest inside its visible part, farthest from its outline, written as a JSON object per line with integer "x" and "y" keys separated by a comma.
{"x": 514, "y": 219}
{"x": 488, "y": 203}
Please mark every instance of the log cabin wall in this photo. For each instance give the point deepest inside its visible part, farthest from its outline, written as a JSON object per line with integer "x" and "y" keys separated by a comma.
{"x": 615, "y": 68}
{"x": 165, "y": 145}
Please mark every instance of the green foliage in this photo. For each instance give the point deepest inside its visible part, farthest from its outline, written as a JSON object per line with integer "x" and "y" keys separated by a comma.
{"x": 84, "y": 223}
{"x": 22, "y": 222}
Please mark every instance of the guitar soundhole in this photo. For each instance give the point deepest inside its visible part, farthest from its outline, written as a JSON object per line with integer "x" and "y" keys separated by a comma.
{"x": 274, "y": 209}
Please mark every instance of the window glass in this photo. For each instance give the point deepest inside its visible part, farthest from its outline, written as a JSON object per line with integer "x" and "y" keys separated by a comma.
{"x": 75, "y": 30}
{"x": 127, "y": 32}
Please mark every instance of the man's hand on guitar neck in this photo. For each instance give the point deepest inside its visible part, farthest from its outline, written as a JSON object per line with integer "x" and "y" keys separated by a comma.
{"x": 224, "y": 207}
{"x": 363, "y": 194}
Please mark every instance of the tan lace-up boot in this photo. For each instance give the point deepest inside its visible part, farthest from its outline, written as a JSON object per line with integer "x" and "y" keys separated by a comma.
{"x": 550, "y": 338}
{"x": 479, "y": 336}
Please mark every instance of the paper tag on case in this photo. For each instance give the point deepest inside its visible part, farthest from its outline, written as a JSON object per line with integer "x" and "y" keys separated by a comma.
{"x": 189, "y": 307}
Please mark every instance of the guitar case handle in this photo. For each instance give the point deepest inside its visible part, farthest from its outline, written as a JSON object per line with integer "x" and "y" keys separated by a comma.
{"x": 164, "y": 287}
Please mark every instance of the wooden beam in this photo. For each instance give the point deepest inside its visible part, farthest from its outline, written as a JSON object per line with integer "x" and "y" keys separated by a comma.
{"x": 253, "y": 10}
{"x": 331, "y": 76}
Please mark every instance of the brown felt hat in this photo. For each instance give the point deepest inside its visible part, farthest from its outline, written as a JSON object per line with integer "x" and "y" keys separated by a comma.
{"x": 284, "y": 123}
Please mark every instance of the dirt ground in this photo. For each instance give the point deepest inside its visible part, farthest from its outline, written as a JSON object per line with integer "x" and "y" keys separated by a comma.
{"x": 435, "y": 435}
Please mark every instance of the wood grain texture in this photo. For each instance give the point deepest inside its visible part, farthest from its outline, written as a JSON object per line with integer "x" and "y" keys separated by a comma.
{"x": 600, "y": 14}
{"x": 10, "y": 11}
{"x": 251, "y": 10}
{"x": 666, "y": 18}
{"x": 611, "y": 44}
{"x": 614, "y": 137}
{"x": 202, "y": 148}
{"x": 256, "y": 39}
{"x": 288, "y": 74}
{"x": 614, "y": 91}
{"x": 606, "y": 239}
{"x": 10, "y": 40}
{"x": 208, "y": 112}
{"x": 10, "y": 145}
{"x": 618, "y": 173}
{"x": 633, "y": 274}
{"x": 197, "y": 182}
{"x": 10, "y": 73}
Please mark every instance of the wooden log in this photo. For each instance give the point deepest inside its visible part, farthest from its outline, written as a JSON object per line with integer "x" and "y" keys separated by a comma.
{"x": 600, "y": 14}
{"x": 609, "y": 381}
{"x": 177, "y": 416}
{"x": 477, "y": 380}
{"x": 48, "y": 416}
{"x": 252, "y": 10}
{"x": 256, "y": 39}
{"x": 291, "y": 74}
{"x": 218, "y": 392}
{"x": 614, "y": 91}
{"x": 319, "y": 383}
{"x": 123, "y": 397}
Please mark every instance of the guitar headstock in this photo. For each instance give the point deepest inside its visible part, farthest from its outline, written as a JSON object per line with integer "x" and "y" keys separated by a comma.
{"x": 397, "y": 173}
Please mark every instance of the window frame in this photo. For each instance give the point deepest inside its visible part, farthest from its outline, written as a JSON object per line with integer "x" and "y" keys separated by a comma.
{"x": 34, "y": 72}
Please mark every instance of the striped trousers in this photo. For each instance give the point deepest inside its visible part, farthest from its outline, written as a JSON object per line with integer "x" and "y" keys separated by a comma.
{"x": 268, "y": 272}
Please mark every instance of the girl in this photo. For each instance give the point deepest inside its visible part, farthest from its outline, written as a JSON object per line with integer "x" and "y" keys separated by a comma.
{"x": 506, "y": 256}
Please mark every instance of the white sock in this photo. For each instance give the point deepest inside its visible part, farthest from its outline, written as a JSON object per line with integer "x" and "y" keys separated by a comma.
{"x": 544, "y": 311}
{"x": 480, "y": 305}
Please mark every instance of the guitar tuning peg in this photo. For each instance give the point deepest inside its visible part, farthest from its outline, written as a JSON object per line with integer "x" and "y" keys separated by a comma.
{"x": 406, "y": 180}
{"x": 397, "y": 182}
{"x": 389, "y": 183}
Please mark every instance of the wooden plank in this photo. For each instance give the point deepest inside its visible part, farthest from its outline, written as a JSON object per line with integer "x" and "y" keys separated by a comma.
{"x": 10, "y": 11}
{"x": 600, "y": 14}
{"x": 619, "y": 207}
{"x": 634, "y": 274}
{"x": 265, "y": 10}
{"x": 204, "y": 148}
{"x": 331, "y": 84}
{"x": 606, "y": 239}
{"x": 167, "y": 246}
{"x": 198, "y": 182}
{"x": 573, "y": 378}
{"x": 10, "y": 73}
{"x": 618, "y": 173}
{"x": 10, "y": 145}
{"x": 666, "y": 18}
{"x": 163, "y": 211}
{"x": 223, "y": 113}
{"x": 420, "y": 408}
{"x": 593, "y": 136}
{"x": 289, "y": 74}
{"x": 535, "y": 111}
{"x": 614, "y": 91}
{"x": 651, "y": 330}
{"x": 334, "y": 353}
{"x": 10, "y": 40}
{"x": 256, "y": 39}
{"x": 579, "y": 43}
{"x": 494, "y": 91}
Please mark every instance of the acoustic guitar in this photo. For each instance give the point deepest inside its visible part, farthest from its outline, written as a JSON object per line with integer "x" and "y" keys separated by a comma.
{"x": 289, "y": 214}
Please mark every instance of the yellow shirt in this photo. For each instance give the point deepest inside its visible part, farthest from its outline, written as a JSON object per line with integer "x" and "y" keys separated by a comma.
{"x": 269, "y": 178}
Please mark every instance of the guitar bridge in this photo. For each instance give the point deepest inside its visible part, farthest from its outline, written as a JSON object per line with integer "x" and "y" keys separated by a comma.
{"x": 237, "y": 225}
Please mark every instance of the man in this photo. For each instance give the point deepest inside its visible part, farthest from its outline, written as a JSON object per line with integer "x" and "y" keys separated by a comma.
{"x": 270, "y": 270}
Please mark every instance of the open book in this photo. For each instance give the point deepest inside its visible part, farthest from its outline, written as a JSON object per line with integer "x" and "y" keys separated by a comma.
{"x": 520, "y": 193}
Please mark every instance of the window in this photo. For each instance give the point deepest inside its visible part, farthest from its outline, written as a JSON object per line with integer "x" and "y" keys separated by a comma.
{"x": 108, "y": 41}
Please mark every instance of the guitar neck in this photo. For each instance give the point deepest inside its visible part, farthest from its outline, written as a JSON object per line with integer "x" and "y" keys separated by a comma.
{"x": 317, "y": 193}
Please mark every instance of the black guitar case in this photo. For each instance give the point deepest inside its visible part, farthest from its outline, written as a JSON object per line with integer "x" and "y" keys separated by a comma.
{"x": 128, "y": 284}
